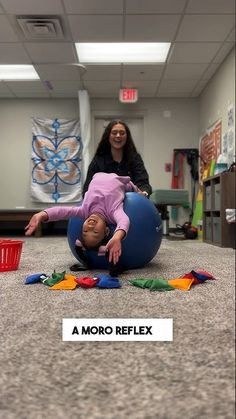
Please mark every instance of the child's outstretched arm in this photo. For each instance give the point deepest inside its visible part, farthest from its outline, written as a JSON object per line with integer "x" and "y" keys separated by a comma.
{"x": 35, "y": 221}
{"x": 114, "y": 246}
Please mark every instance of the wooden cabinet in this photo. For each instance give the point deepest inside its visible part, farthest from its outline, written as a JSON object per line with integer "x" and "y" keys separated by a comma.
{"x": 218, "y": 195}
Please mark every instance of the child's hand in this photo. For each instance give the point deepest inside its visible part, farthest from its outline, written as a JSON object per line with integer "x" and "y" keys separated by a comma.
{"x": 34, "y": 222}
{"x": 114, "y": 248}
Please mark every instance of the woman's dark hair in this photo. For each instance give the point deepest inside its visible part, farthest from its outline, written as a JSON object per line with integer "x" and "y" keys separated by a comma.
{"x": 104, "y": 146}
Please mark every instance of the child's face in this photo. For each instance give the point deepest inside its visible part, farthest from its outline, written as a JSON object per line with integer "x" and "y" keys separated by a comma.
{"x": 94, "y": 230}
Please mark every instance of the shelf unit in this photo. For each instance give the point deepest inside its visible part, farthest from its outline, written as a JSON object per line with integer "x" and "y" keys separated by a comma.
{"x": 218, "y": 195}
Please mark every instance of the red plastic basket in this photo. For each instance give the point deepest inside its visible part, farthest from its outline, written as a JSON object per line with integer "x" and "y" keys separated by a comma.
{"x": 10, "y": 253}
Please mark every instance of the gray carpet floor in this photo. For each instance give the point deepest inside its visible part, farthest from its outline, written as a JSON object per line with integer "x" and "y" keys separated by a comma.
{"x": 191, "y": 377}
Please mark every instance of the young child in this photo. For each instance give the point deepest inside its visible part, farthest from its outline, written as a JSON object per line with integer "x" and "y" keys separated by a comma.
{"x": 102, "y": 205}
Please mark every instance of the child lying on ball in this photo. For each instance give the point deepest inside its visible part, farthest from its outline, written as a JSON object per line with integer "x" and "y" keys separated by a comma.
{"x": 102, "y": 205}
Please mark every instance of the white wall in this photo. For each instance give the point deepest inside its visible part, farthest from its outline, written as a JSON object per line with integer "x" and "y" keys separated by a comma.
{"x": 218, "y": 94}
{"x": 15, "y": 144}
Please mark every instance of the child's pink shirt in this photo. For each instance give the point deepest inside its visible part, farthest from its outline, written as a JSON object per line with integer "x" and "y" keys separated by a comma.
{"x": 105, "y": 196}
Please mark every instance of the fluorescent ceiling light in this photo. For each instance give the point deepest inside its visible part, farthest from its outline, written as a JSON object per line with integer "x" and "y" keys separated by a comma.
{"x": 122, "y": 52}
{"x": 18, "y": 72}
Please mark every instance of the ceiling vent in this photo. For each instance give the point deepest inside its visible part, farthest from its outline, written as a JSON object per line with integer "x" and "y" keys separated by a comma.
{"x": 41, "y": 27}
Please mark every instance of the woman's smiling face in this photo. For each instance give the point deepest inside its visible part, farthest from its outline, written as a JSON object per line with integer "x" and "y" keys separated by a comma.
{"x": 118, "y": 136}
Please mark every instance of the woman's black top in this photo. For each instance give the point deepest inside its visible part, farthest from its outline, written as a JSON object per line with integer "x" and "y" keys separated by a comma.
{"x": 136, "y": 170}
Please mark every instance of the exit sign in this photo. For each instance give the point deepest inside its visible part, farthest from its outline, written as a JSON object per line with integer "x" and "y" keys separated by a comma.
{"x": 128, "y": 95}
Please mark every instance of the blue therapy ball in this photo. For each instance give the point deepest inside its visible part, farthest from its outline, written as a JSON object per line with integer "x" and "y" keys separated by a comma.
{"x": 142, "y": 242}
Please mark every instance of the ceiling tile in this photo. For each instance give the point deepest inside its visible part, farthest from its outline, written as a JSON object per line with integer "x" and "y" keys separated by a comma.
{"x": 62, "y": 86}
{"x": 199, "y": 88}
{"x": 198, "y": 52}
{"x": 64, "y": 95}
{"x": 7, "y": 95}
{"x": 47, "y": 53}
{"x": 176, "y": 86}
{"x": 146, "y": 88}
{"x": 58, "y": 72}
{"x": 13, "y": 54}
{"x": 7, "y": 34}
{"x": 231, "y": 37}
{"x": 154, "y": 6}
{"x": 94, "y": 28}
{"x": 210, "y": 71}
{"x": 151, "y": 28}
{"x": 223, "y": 52}
{"x": 102, "y": 72}
{"x": 184, "y": 71}
{"x": 106, "y": 89}
{"x": 202, "y": 33}
{"x": 32, "y": 7}
{"x": 142, "y": 72}
{"x": 31, "y": 94}
{"x": 205, "y": 28}
{"x": 173, "y": 94}
{"x": 26, "y": 86}
{"x": 94, "y": 6}
{"x": 4, "y": 90}
{"x": 211, "y": 6}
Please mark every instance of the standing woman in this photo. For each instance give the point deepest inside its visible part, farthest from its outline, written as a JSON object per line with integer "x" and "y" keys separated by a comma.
{"x": 116, "y": 153}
